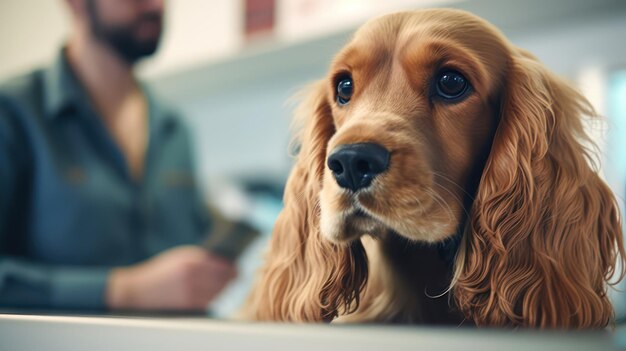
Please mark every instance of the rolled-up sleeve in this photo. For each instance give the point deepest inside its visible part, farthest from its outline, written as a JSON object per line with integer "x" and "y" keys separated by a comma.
{"x": 27, "y": 284}
{"x": 77, "y": 287}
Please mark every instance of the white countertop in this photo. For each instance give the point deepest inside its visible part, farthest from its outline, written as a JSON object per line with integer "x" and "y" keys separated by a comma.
{"x": 67, "y": 333}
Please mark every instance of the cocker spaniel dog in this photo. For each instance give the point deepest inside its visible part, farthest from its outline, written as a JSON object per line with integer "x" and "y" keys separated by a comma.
{"x": 443, "y": 176}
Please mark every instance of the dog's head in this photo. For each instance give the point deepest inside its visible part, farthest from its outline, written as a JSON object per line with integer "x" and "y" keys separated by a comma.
{"x": 413, "y": 104}
{"x": 431, "y": 123}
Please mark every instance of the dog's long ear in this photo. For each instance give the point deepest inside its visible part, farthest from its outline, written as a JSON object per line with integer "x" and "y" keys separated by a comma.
{"x": 305, "y": 277}
{"x": 544, "y": 235}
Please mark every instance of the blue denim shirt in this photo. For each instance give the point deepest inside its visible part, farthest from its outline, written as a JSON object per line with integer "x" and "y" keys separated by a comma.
{"x": 69, "y": 209}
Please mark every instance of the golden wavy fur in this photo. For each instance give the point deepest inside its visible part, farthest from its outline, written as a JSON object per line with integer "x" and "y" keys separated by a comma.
{"x": 505, "y": 169}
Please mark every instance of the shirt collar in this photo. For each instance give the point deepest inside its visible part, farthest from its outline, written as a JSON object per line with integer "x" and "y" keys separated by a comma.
{"x": 61, "y": 87}
{"x": 161, "y": 119}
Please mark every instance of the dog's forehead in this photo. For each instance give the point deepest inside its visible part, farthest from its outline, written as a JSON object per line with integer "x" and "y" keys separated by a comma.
{"x": 390, "y": 32}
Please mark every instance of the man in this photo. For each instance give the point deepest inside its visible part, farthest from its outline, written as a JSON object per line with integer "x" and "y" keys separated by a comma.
{"x": 96, "y": 178}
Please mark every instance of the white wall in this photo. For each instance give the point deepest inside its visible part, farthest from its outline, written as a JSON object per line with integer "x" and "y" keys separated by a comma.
{"x": 197, "y": 31}
{"x": 31, "y": 32}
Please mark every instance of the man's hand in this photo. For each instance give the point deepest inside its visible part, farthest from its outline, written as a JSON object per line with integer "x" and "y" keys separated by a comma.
{"x": 182, "y": 278}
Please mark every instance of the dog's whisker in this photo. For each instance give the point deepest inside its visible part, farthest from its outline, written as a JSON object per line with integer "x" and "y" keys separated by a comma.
{"x": 441, "y": 202}
{"x": 455, "y": 197}
{"x": 444, "y": 177}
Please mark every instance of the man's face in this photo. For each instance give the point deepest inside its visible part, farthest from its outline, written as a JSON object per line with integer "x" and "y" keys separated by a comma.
{"x": 132, "y": 28}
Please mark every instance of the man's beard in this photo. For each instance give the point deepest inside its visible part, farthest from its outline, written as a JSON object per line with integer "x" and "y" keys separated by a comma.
{"x": 121, "y": 38}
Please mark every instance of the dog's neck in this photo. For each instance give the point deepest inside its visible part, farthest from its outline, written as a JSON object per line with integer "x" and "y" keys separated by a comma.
{"x": 448, "y": 248}
{"x": 407, "y": 282}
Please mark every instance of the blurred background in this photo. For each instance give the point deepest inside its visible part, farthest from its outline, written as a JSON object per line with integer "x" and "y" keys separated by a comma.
{"x": 229, "y": 66}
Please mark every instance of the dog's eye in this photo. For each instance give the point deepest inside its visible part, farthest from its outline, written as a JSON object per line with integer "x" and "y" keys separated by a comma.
{"x": 345, "y": 87}
{"x": 451, "y": 85}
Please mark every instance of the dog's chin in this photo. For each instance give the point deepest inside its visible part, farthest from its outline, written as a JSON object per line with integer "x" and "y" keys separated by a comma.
{"x": 350, "y": 225}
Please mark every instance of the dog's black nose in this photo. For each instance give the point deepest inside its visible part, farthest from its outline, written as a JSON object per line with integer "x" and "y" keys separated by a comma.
{"x": 355, "y": 165}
